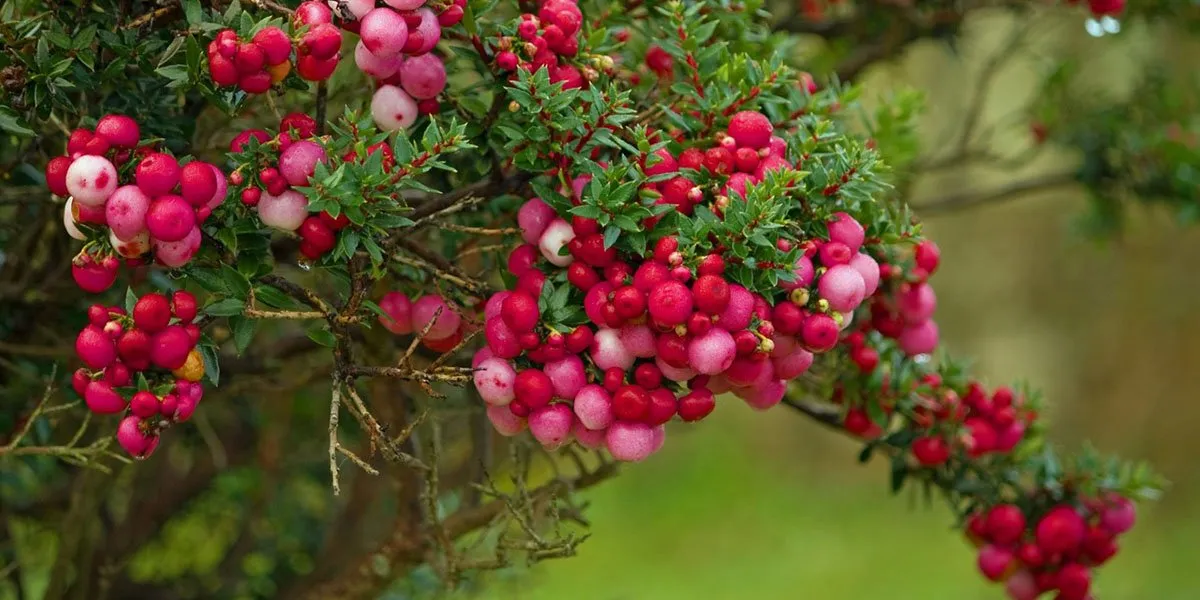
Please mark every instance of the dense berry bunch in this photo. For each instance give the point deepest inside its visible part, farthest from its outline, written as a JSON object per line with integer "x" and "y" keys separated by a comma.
{"x": 252, "y": 66}
{"x": 142, "y": 363}
{"x": 903, "y": 310}
{"x": 395, "y": 48}
{"x": 278, "y": 163}
{"x": 548, "y": 39}
{"x": 1038, "y": 549}
{"x": 160, "y": 208}
{"x": 667, "y": 331}
{"x": 439, "y": 323}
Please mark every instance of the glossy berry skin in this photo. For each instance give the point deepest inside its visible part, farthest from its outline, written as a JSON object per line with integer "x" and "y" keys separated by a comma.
{"x": 152, "y": 313}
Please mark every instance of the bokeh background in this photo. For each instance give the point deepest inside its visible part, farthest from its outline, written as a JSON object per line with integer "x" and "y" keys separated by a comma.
{"x": 773, "y": 507}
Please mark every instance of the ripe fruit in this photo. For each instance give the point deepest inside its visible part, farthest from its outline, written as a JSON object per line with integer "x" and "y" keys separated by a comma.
{"x": 994, "y": 561}
{"x": 102, "y": 399}
{"x": 125, "y": 212}
{"x": 133, "y": 437}
{"x": 285, "y": 211}
{"x": 1060, "y": 530}
{"x": 553, "y": 240}
{"x": 299, "y": 160}
{"x": 1005, "y": 524}
{"x": 551, "y": 425}
{"x": 931, "y": 451}
{"x": 90, "y": 180}
{"x": 170, "y": 347}
{"x": 423, "y": 76}
{"x": 392, "y": 108}
{"x": 844, "y": 229}
{"x": 630, "y": 441}
{"x": 274, "y": 43}
{"x": 520, "y": 312}
{"x": 152, "y": 313}
{"x": 170, "y": 218}
{"x": 593, "y": 406}
{"x": 533, "y": 388}
{"x": 95, "y": 348}
{"x": 495, "y": 380}
{"x": 120, "y": 131}
{"x": 750, "y": 129}
{"x": 713, "y": 352}
{"x": 433, "y": 312}
{"x": 157, "y": 174}
{"x": 384, "y": 32}
{"x": 670, "y": 303}
{"x": 711, "y": 293}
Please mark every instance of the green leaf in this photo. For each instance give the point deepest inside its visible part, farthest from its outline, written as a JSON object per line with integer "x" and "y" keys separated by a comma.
{"x": 611, "y": 233}
{"x": 212, "y": 365}
{"x": 322, "y": 336}
{"x": 226, "y": 307}
{"x": 10, "y": 122}
{"x": 243, "y": 332}
{"x": 193, "y": 12}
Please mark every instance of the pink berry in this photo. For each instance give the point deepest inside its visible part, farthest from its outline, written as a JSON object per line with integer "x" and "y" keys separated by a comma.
{"x": 423, "y": 76}
{"x": 638, "y": 340}
{"x": 762, "y": 397}
{"x": 994, "y": 561}
{"x": 376, "y": 66}
{"x": 869, "y": 270}
{"x": 842, "y": 287}
{"x": 102, "y": 399}
{"x": 91, "y": 180}
{"x": 286, "y": 211}
{"x": 502, "y": 340}
{"x": 819, "y": 332}
{"x": 426, "y": 310}
{"x": 1022, "y": 586}
{"x": 299, "y": 161}
{"x": 711, "y": 293}
{"x": 170, "y": 218}
{"x": 593, "y": 406}
{"x": 1118, "y": 515}
{"x": 322, "y": 41}
{"x": 313, "y": 12}
{"x": 132, "y": 437}
{"x": 843, "y": 228}
{"x": 551, "y": 425}
{"x": 157, "y": 174}
{"x": 533, "y": 218}
{"x": 567, "y": 376}
{"x": 505, "y": 422}
{"x": 629, "y": 441}
{"x": 917, "y": 302}
{"x": 398, "y": 308}
{"x": 120, "y": 131}
{"x": 177, "y": 254}
{"x": 713, "y": 352}
{"x": 921, "y": 338}
{"x": 804, "y": 272}
{"x": 384, "y": 32}
{"x": 750, "y": 129}
{"x": 793, "y": 365}
{"x": 125, "y": 212}
{"x": 494, "y": 380}
{"x": 609, "y": 352}
{"x": 927, "y": 256}
{"x": 392, "y": 108}
{"x": 428, "y": 30}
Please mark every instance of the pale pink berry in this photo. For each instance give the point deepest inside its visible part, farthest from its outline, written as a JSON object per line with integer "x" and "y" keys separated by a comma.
{"x": 533, "y": 218}
{"x": 566, "y": 375}
{"x": 91, "y": 180}
{"x": 384, "y": 32}
{"x": 133, "y": 247}
{"x": 501, "y": 339}
{"x": 712, "y": 352}
{"x": 222, "y": 188}
{"x": 1022, "y": 586}
{"x": 506, "y": 423}
{"x": 607, "y": 350}
{"x": 764, "y": 396}
{"x": 658, "y": 437}
{"x": 495, "y": 304}
{"x": 630, "y": 441}
{"x": 921, "y": 338}
{"x": 177, "y": 254}
{"x": 358, "y": 8}
{"x": 102, "y": 399}
{"x": 557, "y": 235}
{"x": 425, "y": 311}
{"x": 287, "y": 211}
{"x": 481, "y": 355}
{"x": 842, "y": 287}
{"x": 494, "y": 380}
{"x": 298, "y": 162}
{"x": 592, "y": 439}
{"x": 125, "y": 211}
{"x": 679, "y": 374}
{"x": 593, "y": 406}
{"x": 423, "y": 76}
{"x": 551, "y": 425}
{"x": 843, "y": 228}
{"x": 429, "y": 29}
{"x": 717, "y": 384}
{"x": 376, "y": 66}
{"x": 404, "y": 4}
{"x": 994, "y": 561}
{"x": 392, "y": 108}
{"x": 868, "y": 269}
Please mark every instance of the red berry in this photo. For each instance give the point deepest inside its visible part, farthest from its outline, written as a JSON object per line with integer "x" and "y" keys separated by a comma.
{"x": 1005, "y": 524}
{"x": 662, "y": 406}
{"x": 315, "y": 232}
{"x": 169, "y": 348}
{"x": 750, "y": 129}
{"x": 819, "y": 332}
{"x": 183, "y": 305}
{"x": 533, "y": 388}
{"x": 672, "y": 349}
{"x": 865, "y": 358}
{"x": 152, "y": 313}
{"x": 648, "y": 376}
{"x": 664, "y": 247}
{"x": 614, "y": 378}
{"x": 629, "y": 302}
{"x": 928, "y": 256}
{"x": 1060, "y": 530}
{"x": 1073, "y": 582}
{"x": 696, "y": 404}
{"x": 630, "y": 403}
{"x": 520, "y": 312}
{"x": 95, "y": 348}
{"x": 582, "y": 276}
{"x": 335, "y": 223}
{"x": 579, "y": 340}
{"x": 251, "y": 196}
{"x": 275, "y": 45}
{"x": 931, "y": 451}
{"x": 56, "y": 175}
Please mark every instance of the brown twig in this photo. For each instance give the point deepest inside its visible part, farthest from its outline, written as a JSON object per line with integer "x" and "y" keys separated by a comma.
{"x": 960, "y": 201}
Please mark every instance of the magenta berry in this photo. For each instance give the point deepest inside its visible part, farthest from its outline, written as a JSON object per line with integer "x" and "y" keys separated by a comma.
{"x": 170, "y": 218}
{"x": 95, "y": 348}
{"x": 158, "y": 174}
{"x": 1060, "y": 530}
{"x": 670, "y": 303}
{"x": 551, "y": 424}
{"x": 169, "y": 348}
{"x": 398, "y": 309}
{"x": 433, "y": 312}
{"x": 102, "y": 399}
{"x": 844, "y": 229}
{"x": 533, "y": 388}
{"x": 750, "y": 129}
{"x": 520, "y": 311}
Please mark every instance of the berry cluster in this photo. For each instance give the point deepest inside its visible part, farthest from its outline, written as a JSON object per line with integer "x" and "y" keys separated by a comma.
{"x": 395, "y": 48}
{"x": 438, "y": 322}
{"x": 1039, "y": 549}
{"x": 264, "y": 60}
{"x": 156, "y": 344}
{"x": 548, "y": 39}
{"x": 282, "y": 161}
{"x": 903, "y": 310}
{"x": 160, "y": 209}
{"x": 668, "y": 331}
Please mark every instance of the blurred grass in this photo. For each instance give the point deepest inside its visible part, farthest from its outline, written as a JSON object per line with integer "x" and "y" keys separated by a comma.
{"x": 769, "y": 506}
